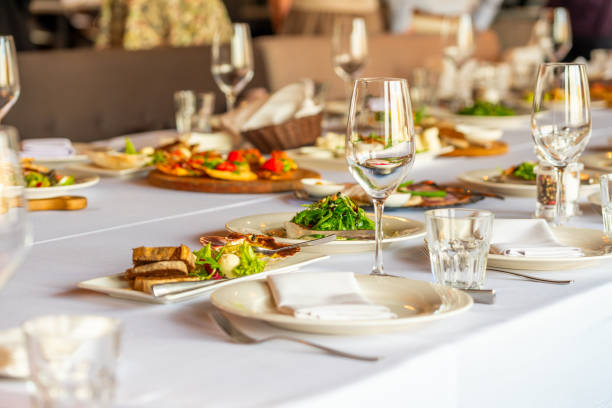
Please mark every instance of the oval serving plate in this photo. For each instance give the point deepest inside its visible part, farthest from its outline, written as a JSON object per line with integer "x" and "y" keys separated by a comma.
{"x": 56, "y": 191}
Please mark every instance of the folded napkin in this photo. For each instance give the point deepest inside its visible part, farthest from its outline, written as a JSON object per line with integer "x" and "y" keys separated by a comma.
{"x": 324, "y": 296}
{"x": 524, "y": 237}
{"x": 46, "y": 148}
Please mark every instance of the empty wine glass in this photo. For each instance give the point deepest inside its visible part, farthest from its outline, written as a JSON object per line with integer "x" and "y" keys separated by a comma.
{"x": 380, "y": 143}
{"x": 15, "y": 236}
{"x": 232, "y": 62}
{"x": 349, "y": 50}
{"x": 561, "y": 119}
{"x": 552, "y": 32}
{"x": 9, "y": 75}
{"x": 458, "y": 47}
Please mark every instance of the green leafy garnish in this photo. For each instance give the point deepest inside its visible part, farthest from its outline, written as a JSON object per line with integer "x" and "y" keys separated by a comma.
{"x": 35, "y": 179}
{"x": 484, "y": 108}
{"x": 434, "y": 193}
{"x": 206, "y": 256}
{"x": 66, "y": 181}
{"x": 525, "y": 170}
{"x": 129, "y": 147}
{"x": 405, "y": 184}
{"x": 334, "y": 213}
{"x": 158, "y": 157}
{"x": 419, "y": 115}
{"x": 249, "y": 262}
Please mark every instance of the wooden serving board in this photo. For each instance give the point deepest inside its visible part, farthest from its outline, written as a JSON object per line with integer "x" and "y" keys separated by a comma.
{"x": 497, "y": 148}
{"x": 210, "y": 185}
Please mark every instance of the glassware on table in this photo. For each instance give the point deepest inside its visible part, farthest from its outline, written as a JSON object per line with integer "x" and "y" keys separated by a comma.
{"x": 561, "y": 120}
{"x": 380, "y": 143}
{"x": 423, "y": 87}
{"x": 605, "y": 183}
{"x": 552, "y": 32}
{"x": 458, "y": 243}
{"x": 232, "y": 62}
{"x": 72, "y": 360}
{"x": 546, "y": 187}
{"x": 9, "y": 75}
{"x": 15, "y": 232}
{"x": 193, "y": 110}
{"x": 349, "y": 50}
{"x": 459, "y": 45}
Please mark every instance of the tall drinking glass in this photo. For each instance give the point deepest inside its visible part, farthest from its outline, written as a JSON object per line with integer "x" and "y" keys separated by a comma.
{"x": 349, "y": 50}
{"x": 561, "y": 126}
{"x": 232, "y": 62}
{"x": 380, "y": 143}
{"x": 553, "y": 33}
{"x": 9, "y": 75}
{"x": 458, "y": 41}
{"x": 15, "y": 236}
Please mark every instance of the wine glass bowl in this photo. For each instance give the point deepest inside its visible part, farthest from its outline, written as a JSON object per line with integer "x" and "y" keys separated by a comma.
{"x": 9, "y": 75}
{"x": 232, "y": 62}
{"x": 552, "y": 32}
{"x": 349, "y": 50}
{"x": 380, "y": 144}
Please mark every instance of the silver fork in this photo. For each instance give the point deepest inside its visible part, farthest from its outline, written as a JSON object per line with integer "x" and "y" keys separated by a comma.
{"x": 318, "y": 241}
{"x": 239, "y": 336}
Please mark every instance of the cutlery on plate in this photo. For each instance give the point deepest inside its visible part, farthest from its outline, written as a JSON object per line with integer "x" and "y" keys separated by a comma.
{"x": 239, "y": 336}
{"x": 531, "y": 277}
{"x": 319, "y": 241}
{"x": 163, "y": 289}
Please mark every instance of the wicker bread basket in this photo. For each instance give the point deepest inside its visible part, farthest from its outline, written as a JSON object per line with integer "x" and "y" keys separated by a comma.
{"x": 287, "y": 135}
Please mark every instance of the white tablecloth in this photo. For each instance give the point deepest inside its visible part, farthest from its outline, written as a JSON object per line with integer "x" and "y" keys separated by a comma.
{"x": 539, "y": 345}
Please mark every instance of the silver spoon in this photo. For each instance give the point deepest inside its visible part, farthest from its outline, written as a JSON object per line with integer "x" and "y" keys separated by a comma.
{"x": 318, "y": 241}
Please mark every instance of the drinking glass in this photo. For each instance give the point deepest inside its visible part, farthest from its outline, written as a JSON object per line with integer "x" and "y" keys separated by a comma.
{"x": 15, "y": 235}
{"x": 232, "y": 62}
{"x": 380, "y": 143}
{"x": 193, "y": 110}
{"x": 458, "y": 48}
{"x": 349, "y": 50}
{"x": 9, "y": 75}
{"x": 458, "y": 243}
{"x": 605, "y": 182}
{"x": 552, "y": 32}
{"x": 72, "y": 360}
{"x": 561, "y": 120}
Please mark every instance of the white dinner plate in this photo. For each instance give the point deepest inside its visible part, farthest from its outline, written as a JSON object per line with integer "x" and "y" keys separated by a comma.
{"x": 56, "y": 191}
{"x": 482, "y": 179}
{"x": 13, "y": 356}
{"x": 90, "y": 168}
{"x": 599, "y": 161}
{"x": 593, "y": 242}
{"x": 499, "y": 122}
{"x": 312, "y": 159}
{"x": 412, "y": 301}
{"x": 116, "y": 286}
{"x": 57, "y": 161}
{"x": 395, "y": 229}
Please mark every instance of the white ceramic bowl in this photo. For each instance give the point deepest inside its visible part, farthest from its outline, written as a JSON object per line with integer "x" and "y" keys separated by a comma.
{"x": 321, "y": 188}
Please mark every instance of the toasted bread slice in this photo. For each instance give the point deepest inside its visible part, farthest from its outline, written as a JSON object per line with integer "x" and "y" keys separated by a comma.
{"x": 145, "y": 284}
{"x": 145, "y": 255}
{"x": 161, "y": 268}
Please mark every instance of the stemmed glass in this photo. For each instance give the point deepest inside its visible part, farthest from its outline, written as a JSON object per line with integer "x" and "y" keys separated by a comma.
{"x": 15, "y": 237}
{"x": 232, "y": 62}
{"x": 380, "y": 143}
{"x": 553, "y": 33}
{"x": 9, "y": 75}
{"x": 561, "y": 126}
{"x": 349, "y": 50}
{"x": 458, "y": 49}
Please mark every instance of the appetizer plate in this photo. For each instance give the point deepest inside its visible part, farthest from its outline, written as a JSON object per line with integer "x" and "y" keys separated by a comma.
{"x": 500, "y": 122}
{"x": 56, "y": 191}
{"x": 485, "y": 179}
{"x": 13, "y": 357}
{"x": 594, "y": 243}
{"x": 57, "y": 161}
{"x": 116, "y": 286}
{"x": 411, "y": 300}
{"x": 90, "y": 168}
{"x": 396, "y": 229}
{"x": 598, "y": 161}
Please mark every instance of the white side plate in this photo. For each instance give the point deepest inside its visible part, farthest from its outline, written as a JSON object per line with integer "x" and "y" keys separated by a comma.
{"x": 56, "y": 191}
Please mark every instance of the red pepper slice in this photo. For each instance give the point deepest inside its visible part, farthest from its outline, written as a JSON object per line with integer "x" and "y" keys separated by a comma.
{"x": 226, "y": 166}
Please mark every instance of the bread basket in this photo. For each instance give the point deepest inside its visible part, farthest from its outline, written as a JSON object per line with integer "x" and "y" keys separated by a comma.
{"x": 295, "y": 132}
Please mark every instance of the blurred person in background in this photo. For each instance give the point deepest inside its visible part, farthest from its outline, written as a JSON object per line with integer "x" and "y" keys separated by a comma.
{"x": 591, "y": 25}
{"x": 14, "y": 16}
{"x": 141, "y": 24}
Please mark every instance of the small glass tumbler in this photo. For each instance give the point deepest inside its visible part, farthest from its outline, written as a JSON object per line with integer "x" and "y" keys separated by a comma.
{"x": 193, "y": 110}
{"x": 546, "y": 187}
{"x": 605, "y": 183}
{"x": 458, "y": 243}
{"x": 72, "y": 360}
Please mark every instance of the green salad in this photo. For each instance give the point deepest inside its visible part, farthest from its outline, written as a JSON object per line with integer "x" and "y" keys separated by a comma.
{"x": 334, "y": 213}
{"x": 228, "y": 262}
{"x": 484, "y": 108}
{"x": 49, "y": 179}
{"x": 524, "y": 171}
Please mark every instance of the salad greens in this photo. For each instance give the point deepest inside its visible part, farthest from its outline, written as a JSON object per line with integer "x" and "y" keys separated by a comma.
{"x": 525, "y": 170}
{"x": 484, "y": 108}
{"x": 334, "y": 213}
{"x": 209, "y": 262}
{"x": 49, "y": 179}
{"x": 129, "y": 147}
{"x": 249, "y": 262}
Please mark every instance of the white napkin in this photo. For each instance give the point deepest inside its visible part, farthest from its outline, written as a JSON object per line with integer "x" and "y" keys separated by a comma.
{"x": 47, "y": 148}
{"x": 324, "y": 296}
{"x": 525, "y": 237}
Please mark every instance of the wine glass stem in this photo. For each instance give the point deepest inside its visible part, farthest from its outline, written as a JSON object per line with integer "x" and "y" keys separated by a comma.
{"x": 230, "y": 100}
{"x": 348, "y": 91}
{"x": 379, "y": 204}
{"x": 560, "y": 197}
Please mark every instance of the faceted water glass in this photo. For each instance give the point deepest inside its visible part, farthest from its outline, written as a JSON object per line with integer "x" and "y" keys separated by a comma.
{"x": 458, "y": 243}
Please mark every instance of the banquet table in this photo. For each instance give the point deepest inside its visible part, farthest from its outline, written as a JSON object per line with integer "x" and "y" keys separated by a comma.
{"x": 539, "y": 345}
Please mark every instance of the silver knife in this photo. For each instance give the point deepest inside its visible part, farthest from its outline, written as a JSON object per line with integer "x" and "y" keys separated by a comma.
{"x": 486, "y": 296}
